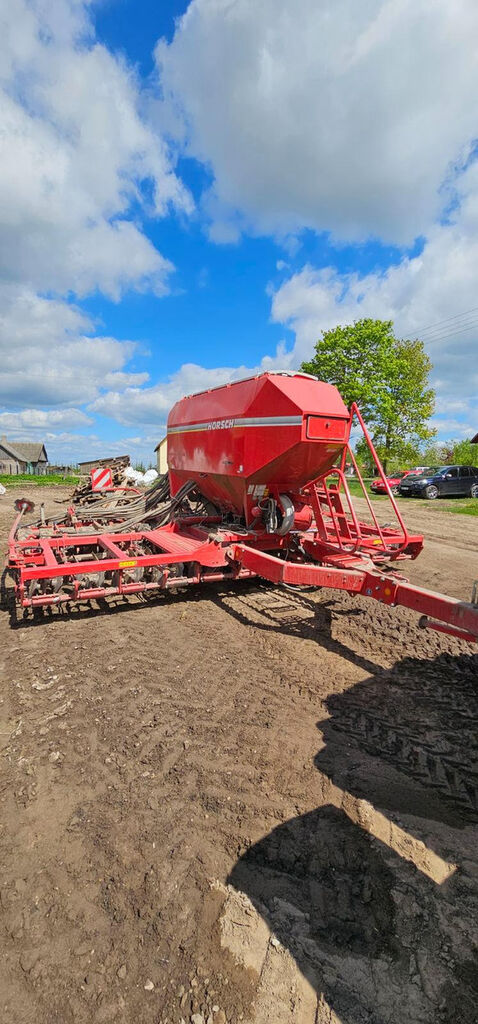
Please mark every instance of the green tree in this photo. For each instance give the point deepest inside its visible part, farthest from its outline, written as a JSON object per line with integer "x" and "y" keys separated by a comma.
{"x": 465, "y": 453}
{"x": 437, "y": 454}
{"x": 388, "y": 379}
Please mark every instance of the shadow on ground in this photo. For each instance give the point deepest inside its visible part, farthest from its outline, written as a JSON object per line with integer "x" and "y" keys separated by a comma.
{"x": 375, "y": 894}
{"x": 304, "y": 617}
{"x": 42, "y": 615}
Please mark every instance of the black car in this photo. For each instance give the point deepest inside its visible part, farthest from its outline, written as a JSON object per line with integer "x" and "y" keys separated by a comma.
{"x": 443, "y": 482}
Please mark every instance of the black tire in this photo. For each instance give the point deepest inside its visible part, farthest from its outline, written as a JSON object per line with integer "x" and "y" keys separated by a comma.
{"x": 430, "y": 492}
{"x": 395, "y": 491}
{"x": 474, "y": 491}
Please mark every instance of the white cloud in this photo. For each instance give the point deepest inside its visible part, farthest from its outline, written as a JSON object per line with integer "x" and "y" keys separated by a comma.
{"x": 66, "y": 447}
{"x": 416, "y": 293}
{"x": 337, "y": 115}
{"x": 75, "y": 153}
{"x": 76, "y": 158}
{"x": 452, "y": 405}
{"x": 29, "y": 422}
{"x": 124, "y": 380}
{"x": 47, "y": 356}
{"x": 452, "y": 428}
{"x": 151, "y": 405}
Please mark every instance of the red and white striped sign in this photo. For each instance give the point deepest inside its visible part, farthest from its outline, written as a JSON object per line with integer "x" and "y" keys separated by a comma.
{"x": 101, "y": 478}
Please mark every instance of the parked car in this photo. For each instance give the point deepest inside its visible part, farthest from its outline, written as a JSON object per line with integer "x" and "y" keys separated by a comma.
{"x": 378, "y": 486}
{"x": 442, "y": 482}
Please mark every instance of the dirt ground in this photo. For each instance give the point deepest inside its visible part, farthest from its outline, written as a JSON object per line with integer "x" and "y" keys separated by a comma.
{"x": 241, "y": 805}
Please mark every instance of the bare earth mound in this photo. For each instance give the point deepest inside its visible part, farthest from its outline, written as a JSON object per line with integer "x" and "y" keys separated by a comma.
{"x": 241, "y": 804}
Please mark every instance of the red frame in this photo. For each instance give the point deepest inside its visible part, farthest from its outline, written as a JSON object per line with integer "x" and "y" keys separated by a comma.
{"x": 338, "y": 551}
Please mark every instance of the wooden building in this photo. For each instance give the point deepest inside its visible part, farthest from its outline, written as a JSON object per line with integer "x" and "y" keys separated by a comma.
{"x": 84, "y": 467}
{"x": 162, "y": 456}
{"x": 22, "y": 457}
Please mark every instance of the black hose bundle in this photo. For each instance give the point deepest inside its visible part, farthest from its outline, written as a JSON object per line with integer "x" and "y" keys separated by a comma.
{"x": 119, "y": 512}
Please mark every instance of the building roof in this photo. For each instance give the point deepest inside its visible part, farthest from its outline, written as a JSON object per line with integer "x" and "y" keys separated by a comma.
{"x": 163, "y": 439}
{"x": 30, "y": 451}
{"x": 24, "y": 451}
{"x": 474, "y": 439}
{"x": 10, "y": 449}
{"x": 108, "y": 461}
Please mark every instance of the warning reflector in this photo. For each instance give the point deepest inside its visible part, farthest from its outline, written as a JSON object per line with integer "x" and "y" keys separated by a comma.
{"x": 101, "y": 478}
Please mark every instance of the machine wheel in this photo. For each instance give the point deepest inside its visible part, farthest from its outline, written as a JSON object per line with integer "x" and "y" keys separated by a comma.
{"x": 431, "y": 491}
{"x": 395, "y": 491}
{"x": 474, "y": 491}
{"x": 288, "y": 512}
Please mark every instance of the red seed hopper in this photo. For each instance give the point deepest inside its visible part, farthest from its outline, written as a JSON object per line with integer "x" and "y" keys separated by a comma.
{"x": 257, "y": 487}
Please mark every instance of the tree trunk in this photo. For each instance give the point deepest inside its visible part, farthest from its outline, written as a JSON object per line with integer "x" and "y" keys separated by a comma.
{"x": 388, "y": 441}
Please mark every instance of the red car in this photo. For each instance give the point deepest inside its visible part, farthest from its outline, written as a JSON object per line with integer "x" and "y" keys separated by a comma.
{"x": 378, "y": 486}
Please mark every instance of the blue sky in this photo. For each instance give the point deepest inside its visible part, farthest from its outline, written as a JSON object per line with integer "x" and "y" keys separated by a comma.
{"x": 191, "y": 192}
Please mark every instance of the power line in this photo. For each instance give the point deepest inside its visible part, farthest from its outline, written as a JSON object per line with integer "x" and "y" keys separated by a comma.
{"x": 465, "y": 321}
{"x": 449, "y": 334}
{"x": 460, "y": 325}
{"x": 447, "y": 320}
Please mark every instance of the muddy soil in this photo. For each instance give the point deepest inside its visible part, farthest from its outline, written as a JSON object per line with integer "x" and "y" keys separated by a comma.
{"x": 242, "y": 804}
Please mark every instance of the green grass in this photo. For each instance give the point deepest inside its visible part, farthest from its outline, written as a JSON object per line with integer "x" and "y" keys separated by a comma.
{"x": 464, "y": 506}
{"x": 356, "y": 490}
{"x": 37, "y": 481}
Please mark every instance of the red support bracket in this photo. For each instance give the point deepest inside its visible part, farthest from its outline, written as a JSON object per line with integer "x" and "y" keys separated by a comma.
{"x": 279, "y": 570}
{"x": 457, "y": 618}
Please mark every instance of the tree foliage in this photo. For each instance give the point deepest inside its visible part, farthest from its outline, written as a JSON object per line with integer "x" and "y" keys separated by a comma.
{"x": 388, "y": 379}
{"x": 465, "y": 453}
{"x": 462, "y": 453}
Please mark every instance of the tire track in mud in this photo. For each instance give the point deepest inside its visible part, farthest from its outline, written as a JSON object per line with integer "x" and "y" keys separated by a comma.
{"x": 451, "y": 775}
{"x": 190, "y": 740}
{"x": 121, "y": 793}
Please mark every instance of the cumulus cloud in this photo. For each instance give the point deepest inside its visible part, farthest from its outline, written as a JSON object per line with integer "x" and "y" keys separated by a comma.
{"x": 151, "y": 405}
{"x": 120, "y": 379}
{"x": 75, "y": 154}
{"x": 50, "y": 358}
{"x": 416, "y": 293}
{"x": 352, "y": 118}
{"x": 338, "y": 115}
{"x": 76, "y": 158}
{"x": 452, "y": 428}
{"x": 30, "y": 421}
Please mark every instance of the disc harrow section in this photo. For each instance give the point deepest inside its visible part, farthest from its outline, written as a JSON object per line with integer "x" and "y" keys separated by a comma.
{"x": 68, "y": 568}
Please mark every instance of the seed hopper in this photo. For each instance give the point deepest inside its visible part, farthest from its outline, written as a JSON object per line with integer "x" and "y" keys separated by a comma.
{"x": 257, "y": 486}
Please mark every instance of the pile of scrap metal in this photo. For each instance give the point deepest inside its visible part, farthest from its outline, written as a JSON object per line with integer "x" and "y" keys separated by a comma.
{"x": 84, "y": 493}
